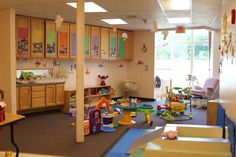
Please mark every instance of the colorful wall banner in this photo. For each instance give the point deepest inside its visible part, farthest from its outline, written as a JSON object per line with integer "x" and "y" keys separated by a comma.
{"x": 23, "y": 41}
{"x": 73, "y": 44}
{"x": 62, "y": 44}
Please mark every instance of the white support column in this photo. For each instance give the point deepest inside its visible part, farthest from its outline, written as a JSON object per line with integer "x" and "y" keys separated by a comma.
{"x": 8, "y": 58}
{"x": 80, "y": 71}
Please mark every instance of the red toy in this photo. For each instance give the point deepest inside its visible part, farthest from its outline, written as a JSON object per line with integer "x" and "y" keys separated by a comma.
{"x": 103, "y": 78}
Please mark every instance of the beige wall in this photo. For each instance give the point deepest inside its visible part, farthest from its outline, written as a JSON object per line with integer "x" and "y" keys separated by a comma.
{"x": 228, "y": 74}
{"x": 7, "y": 58}
{"x": 143, "y": 74}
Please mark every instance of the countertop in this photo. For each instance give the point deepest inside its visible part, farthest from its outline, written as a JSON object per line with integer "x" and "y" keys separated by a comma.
{"x": 22, "y": 83}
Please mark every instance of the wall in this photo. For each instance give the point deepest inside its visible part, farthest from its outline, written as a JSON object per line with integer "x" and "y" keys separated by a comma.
{"x": 228, "y": 68}
{"x": 66, "y": 69}
{"x": 7, "y": 59}
{"x": 143, "y": 73}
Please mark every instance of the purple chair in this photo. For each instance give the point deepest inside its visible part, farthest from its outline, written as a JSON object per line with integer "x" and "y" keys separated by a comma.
{"x": 200, "y": 95}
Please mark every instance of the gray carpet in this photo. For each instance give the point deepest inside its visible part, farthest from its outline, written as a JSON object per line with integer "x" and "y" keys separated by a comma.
{"x": 51, "y": 133}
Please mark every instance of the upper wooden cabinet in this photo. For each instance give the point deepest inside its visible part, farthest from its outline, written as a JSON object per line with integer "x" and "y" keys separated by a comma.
{"x": 87, "y": 49}
{"x": 72, "y": 40}
{"x": 95, "y": 42}
{"x": 50, "y": 39}
{"x": 129, "y": 45}
{"x": 113, "y": 45}
{"x": 37, "y": 38}
{"x": 105, "y": 32}
{"x": 125, "y": 47}
{"x": 63, "y": 41}
{"x": 22, "y": 37}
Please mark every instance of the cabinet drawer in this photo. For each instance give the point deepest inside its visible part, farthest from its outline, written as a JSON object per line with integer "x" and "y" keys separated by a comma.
{"x": 39, "y": 94}
{"x": 38, "y": 88}
{"x": 38, "y": 102}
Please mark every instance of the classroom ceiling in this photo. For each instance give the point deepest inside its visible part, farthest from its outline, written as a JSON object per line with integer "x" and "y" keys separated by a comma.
{"x": 204, "y": 13}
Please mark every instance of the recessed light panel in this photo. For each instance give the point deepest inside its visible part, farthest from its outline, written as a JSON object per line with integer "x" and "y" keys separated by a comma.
{"x": 175, "y": 4}
{"x": 179, "y": 20}
{"x": 89, "y": 7}
{"x": 114, "y": 21}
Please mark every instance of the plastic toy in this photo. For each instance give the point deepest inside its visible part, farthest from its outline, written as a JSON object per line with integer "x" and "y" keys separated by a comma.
{"x": 103, "y": 78}
{"x": 147, "y": 110}
{"x": 95, "y": 121}
{"x": 107, "y": 117}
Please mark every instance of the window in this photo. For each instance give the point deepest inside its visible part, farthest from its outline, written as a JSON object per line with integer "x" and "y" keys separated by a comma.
{"x": 182, "y": 54}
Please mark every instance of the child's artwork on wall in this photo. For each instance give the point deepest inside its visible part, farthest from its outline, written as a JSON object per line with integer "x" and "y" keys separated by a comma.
{"x": 121, "y": 52}
{"x": 62, "y": 45}
{"x": 73, "y": 45}
{"x": 87, "y": 42}
{"x": 23, "y": 41}
{"x": 37, "y": 42}
{"x": 51, "y": 37}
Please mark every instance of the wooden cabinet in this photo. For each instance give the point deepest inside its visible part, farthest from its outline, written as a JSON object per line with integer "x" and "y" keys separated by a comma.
{"x": 129, "y": 45}
{"x": 87, "y": 34}
{"x": 50, "y": 95}
{"x": 72, "y": 40}
{"x": 95, "y": 42}
{"x": 25, "y": 98}
{"x": 38, "y": 96}
{"x": 212, "y": 110}
{"x": 105, "y": 32}
{"x": 50, "y": 39}
{"x": 22, "y": 37}
{"x": 60, "y": 97}
{"x": 37, "y": 38}
{"x": 121, "y": 45}
{"x": 63, "y": 41}
{"x": 113, "y": 45}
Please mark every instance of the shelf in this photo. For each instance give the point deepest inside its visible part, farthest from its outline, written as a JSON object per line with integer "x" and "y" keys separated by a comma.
{"x": 99, "y": 95}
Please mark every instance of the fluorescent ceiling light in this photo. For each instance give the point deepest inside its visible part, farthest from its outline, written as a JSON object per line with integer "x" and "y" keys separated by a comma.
{"x": 89, "y": 7}
{"x": 179, "y": 20}
{"x": 175, "y": 4}
{"x": 114, "y": 21}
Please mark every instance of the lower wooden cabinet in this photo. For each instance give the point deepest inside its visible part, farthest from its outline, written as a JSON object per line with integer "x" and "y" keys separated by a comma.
{"x": 60, "y": 96}
{"x": 24, "y": 98}
{"x": 39, "y": 96}
{"x": 50, "y": 95}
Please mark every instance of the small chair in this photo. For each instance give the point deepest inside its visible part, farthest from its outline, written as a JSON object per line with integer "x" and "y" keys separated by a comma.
{"x": 200, "y": 95}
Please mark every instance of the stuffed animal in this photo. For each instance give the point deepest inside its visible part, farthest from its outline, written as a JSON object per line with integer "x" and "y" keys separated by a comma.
{"x": 103, "y": 78}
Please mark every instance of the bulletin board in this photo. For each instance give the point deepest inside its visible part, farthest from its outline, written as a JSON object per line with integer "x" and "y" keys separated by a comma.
{"x": 95, "y": 42}
{"x": 51, "y": 39}
{"x": 63, "y": 41}
{"x": 105, "y": 32}
{"x": 113, "y": 45}
{"x": 72, "y": 40}
{"x": 22, "y": 37}
{"x": 37, "y": 38}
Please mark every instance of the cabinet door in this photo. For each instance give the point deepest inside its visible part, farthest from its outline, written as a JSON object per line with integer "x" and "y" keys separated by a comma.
{"x": 72, "y": 40}
{"x": 51, "y": 39}
{"x": 25, "y": 98}
{"x": 37, "y": 38}
{"x": 87, "y": 42}
{"x": 50, "y": 95}
{"x": 38, "y": 102}
{"x": 60, "y": 96}
{"x": 104, "y": 43}
{"x": 63, "y": 41}
{"x": 113, "y": 44}
{"x": 129, "y": 45}
{"x": 22, "y": 37}
{"x": 121, "y": 45}
{"x": 95, "y": 42}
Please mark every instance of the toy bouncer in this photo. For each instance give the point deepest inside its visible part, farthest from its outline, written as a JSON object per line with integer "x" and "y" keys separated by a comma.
{"x": 174, "y": 107}
{"x": 107, "y": 117}
{"x": 127, "y": 106}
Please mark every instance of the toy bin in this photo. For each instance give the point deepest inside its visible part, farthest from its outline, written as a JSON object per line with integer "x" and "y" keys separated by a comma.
{"x": 2, "y": 114}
